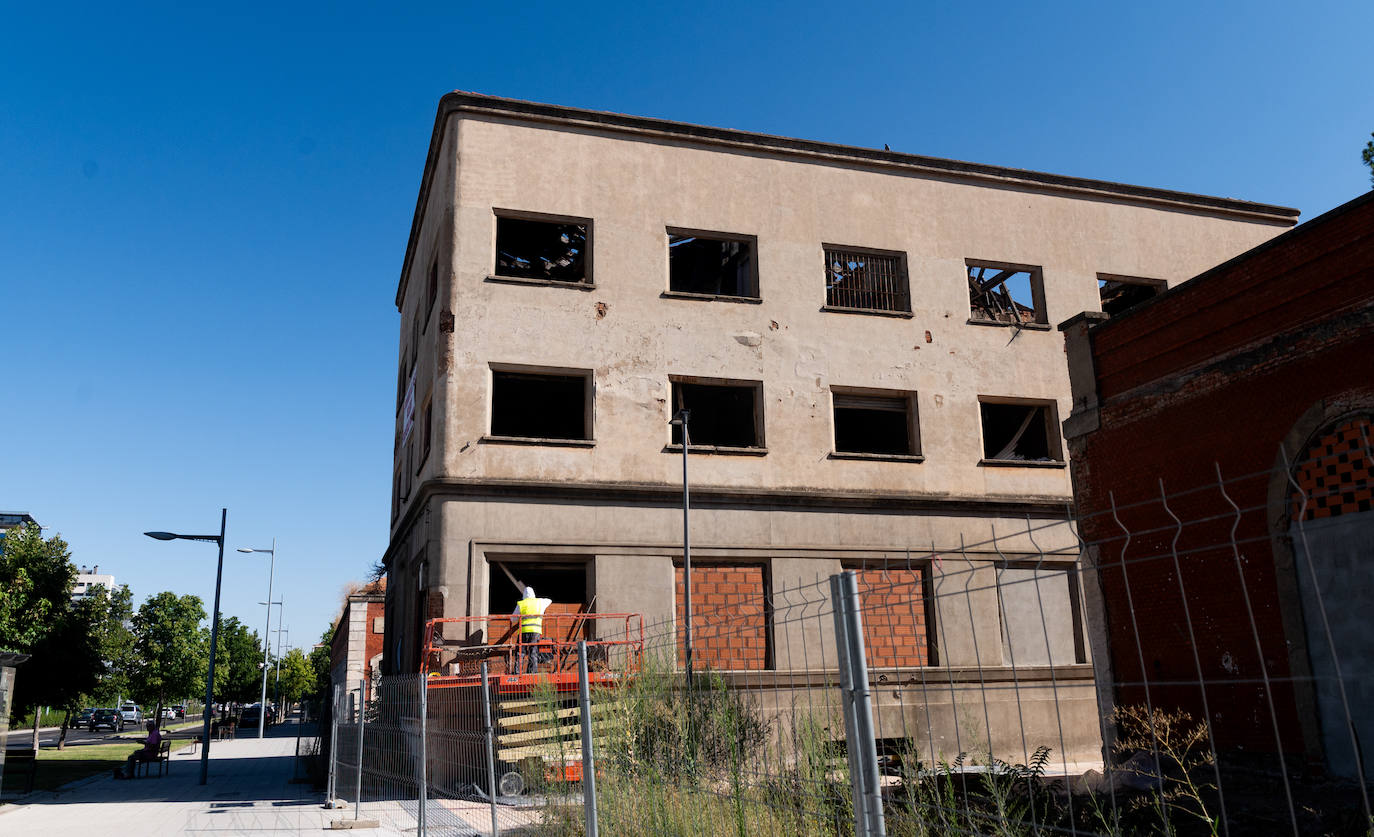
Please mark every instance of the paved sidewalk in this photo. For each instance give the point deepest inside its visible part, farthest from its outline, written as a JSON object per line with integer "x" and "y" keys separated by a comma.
{"x": 249, "y": 792}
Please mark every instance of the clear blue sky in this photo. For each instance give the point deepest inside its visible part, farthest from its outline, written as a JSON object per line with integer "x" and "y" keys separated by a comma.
{"x": 202, "y": 214}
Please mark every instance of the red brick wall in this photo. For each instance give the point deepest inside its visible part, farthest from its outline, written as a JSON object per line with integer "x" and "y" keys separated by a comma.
{"x": 894, "y": 616}
{"x": 1216, "y": 376}
{"x": 375, "y": 641}
{"x": 729, "y": 617}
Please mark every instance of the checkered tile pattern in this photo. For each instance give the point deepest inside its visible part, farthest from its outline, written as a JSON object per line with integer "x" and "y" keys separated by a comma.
{"x": 1334, "y": 474}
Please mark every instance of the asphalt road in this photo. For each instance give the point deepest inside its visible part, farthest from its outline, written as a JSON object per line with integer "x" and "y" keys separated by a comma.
{"x": 23, "y": 738}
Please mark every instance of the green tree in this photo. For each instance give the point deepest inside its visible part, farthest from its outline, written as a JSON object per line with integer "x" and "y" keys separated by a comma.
{"x": 36, "y": 618}
{"x": 36, "y": 578}
{"x": 320, "y": 664}
{"x": 111, "y": 618}
{"x": 238, "y": 675}
{"x": 1368, "y": 156}
{"x": 169, "y": 653}
{"x": 297, "y": 676}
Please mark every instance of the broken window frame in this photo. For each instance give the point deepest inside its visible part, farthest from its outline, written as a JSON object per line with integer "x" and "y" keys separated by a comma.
{"x": 751, "y": 292}
{"x": 1105, "y": 281}
{"x": 985, "y": 289}
{"x": 588, "y": 403}
{"x": 585, "y": 282}
{"x": 866, "y": 398}
{"x": 1054, "y": 443}
{"x": 676, "y": 404}
{"x": 899, "y": 283}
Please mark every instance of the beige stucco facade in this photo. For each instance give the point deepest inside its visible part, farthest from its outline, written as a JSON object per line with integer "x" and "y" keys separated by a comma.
{"x": 613, "y": 503}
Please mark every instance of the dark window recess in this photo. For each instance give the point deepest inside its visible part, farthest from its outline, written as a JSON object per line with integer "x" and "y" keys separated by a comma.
{"x": 539, "y": 406}
{"x": 866, "y": 280}
{"x": 872, "y": 424}
{"x": 721, "y": 415}
{"x": 553, "y": 250}
{"x": 716, "y": 266}
{"x": 433, "y": 292}
{"x": 1003, "y": 294}
{"x": 566, "y": 584}
{"x": 1017, "y": 432}
{"x": 1120, "y": 294}
{"x": 428, "y": 430}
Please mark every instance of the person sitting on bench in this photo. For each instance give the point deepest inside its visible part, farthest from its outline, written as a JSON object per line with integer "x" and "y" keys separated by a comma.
{"x": 149, "y": 752}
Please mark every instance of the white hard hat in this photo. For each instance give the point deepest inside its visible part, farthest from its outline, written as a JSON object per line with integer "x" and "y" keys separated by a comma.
{"x": 529, "y": 592}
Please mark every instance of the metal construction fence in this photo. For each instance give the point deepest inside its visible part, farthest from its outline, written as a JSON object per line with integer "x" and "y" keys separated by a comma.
{"x": 1191, "y": 661}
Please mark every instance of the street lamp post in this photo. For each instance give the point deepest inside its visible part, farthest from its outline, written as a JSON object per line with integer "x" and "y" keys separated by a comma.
{"x": 280, "y": 631}
{"x": 214, "y": 632}
{"x": 271, "y": 571}
{"x": 680, "y": 420}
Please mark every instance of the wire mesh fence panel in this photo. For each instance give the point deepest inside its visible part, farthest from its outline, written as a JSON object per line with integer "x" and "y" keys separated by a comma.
{"x": 391, "y": 751}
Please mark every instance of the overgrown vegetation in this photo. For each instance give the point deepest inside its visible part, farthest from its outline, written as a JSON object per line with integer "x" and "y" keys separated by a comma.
{"x": 706, "y": 760}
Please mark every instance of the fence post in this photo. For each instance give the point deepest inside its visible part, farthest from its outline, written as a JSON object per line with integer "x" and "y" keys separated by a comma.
{"x": 334, "y": 709}
{"x": 424, "y": 754}
{"x": 862, "y": 749}
{"x": 588, "y": 760}
{"x": 362, "y": 722}
{"x": 491, "y": 752}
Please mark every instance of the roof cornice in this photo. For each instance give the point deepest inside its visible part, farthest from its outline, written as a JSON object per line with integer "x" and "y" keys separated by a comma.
{"x": 461, "y": 102}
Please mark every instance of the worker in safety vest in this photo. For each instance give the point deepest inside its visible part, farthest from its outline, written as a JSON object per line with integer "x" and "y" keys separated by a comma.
{"x": 531, "y": 612}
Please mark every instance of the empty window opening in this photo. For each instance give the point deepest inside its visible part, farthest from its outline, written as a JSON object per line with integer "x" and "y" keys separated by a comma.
{"x": 718, "y": 266}
{"x": 551, "y": 250}
{"x": 1019, "y": 433}
{"x": 866, "y": 280}
{"x": 1118, "y": 293}
{"x": 875, "y": 424}
{"x": 566, "y": 583}
{"x": 1005, "y": 293}
{"x": 540, "y": 406}
{"x": 721, "y": 415}
{"x": 432, "y": 293}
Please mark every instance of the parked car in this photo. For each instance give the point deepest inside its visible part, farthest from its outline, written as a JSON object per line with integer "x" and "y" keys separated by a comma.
{"x": 83, "y": 718}
{"x": 131, "y": 713}
{"x": 102, "y": 718}
{"x": 248, "y": 717}
{"x": 180, "y": 709}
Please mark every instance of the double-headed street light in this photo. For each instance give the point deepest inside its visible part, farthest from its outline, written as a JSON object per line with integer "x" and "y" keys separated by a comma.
{"x": 214, "y": 631}
{"x": 271, "y": 570}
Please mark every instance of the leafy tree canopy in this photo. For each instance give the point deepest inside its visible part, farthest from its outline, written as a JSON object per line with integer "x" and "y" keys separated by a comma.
{"x": 1368, "y": 156}
{"x": 36, "y": 578}
{"x": 297, "y": 676}
{"x": 169, "y": 653}
{"x": 239, "y": 653}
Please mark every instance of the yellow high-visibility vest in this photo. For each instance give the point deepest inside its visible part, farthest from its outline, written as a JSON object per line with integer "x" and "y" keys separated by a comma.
{"x": 531, "y": 616}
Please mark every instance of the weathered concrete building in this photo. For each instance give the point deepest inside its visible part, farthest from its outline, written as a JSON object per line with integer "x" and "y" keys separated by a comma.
{"x": 862, "y": 339}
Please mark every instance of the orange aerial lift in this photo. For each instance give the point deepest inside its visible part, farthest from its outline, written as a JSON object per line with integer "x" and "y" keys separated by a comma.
{"x": 532, "y": 692}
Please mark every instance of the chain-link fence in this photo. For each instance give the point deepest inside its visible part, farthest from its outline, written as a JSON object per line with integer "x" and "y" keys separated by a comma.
{"x": 1196, "y": 662}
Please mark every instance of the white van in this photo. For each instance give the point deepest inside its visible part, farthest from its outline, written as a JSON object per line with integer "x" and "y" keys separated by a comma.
{"x": 129, "y": 711}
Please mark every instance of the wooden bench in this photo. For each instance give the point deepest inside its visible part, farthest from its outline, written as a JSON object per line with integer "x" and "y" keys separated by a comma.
{"x": 193, "y": 738}
{"x": 163, "y": 760}
{"x": 25, "y": 761}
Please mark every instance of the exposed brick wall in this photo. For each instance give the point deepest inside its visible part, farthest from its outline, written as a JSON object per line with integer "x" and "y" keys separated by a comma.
{"x": 375, "y": 642}
{"x": 1333, "y": 475}
{"x": 894, "y": 616}
{"x": 729, "y": 617}
{"x": 1213, "y": 378}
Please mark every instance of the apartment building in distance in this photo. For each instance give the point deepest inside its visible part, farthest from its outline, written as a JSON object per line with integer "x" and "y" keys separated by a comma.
{"x": 863, "y": 340}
